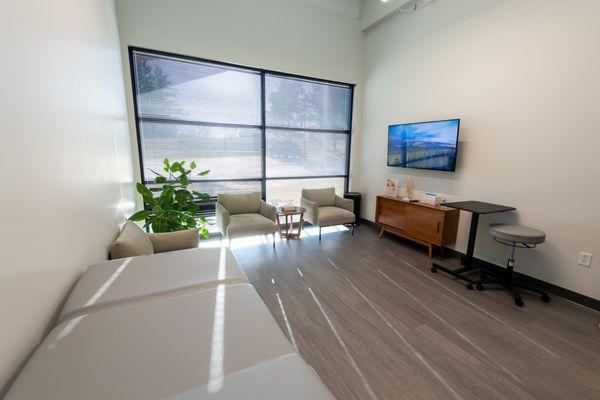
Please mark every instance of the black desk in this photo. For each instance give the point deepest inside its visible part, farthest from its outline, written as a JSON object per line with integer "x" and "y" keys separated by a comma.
{"x": 476, "y": 208}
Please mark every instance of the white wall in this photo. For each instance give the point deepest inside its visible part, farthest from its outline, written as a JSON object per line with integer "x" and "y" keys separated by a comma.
{"x": 524, "y": 78}
{"x": 294, "y": 36}
{"x": 65, "y": 157}
{"x": 373, "y": 12}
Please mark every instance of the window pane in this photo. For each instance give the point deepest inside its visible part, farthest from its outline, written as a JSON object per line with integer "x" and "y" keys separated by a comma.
{"x": 216, "y": 187}
{"x": 297, "y": 153}
{"x": 229, "y": 153}
{"x": 297, "y": 103}
{"x": 287, "y": 191}
{"x": 181, "y": 89}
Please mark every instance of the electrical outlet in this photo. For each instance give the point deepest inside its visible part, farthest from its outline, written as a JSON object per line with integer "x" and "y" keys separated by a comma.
{"x": 585, "y": 259}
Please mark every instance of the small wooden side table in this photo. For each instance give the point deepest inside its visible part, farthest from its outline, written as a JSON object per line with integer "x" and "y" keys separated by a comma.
{"x": 289, "y": 213}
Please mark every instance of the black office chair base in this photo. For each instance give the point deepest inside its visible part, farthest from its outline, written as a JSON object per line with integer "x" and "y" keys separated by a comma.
{"x": 457, "y": 273}
{"x": 513, "y": 286}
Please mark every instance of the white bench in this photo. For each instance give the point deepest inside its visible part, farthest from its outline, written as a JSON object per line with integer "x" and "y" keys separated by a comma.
{"x": 180, "y": 325}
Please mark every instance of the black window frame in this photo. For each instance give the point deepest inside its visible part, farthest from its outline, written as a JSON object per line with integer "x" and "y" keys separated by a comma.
{"x": 208, "y": 205}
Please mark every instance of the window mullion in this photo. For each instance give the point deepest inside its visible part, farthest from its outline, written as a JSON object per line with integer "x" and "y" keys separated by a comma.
{"x": 263, "y": 111}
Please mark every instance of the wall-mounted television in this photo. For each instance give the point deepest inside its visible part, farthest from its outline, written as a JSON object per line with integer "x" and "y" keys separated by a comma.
{"x": 424, "y": 145}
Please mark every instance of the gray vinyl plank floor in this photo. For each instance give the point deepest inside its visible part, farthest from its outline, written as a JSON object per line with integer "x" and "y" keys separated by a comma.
{"x": 374, "y": 323}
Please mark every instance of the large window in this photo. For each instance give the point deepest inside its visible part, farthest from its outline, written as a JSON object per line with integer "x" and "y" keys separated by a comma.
{"x": 254, "y": 129}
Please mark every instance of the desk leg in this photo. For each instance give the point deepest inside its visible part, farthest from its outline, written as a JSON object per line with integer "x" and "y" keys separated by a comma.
{"x": 467, "y": 261}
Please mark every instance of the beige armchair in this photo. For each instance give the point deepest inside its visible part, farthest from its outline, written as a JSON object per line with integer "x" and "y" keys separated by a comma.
{"x": 245, "y": 214}
{"x": 325, "y": 208}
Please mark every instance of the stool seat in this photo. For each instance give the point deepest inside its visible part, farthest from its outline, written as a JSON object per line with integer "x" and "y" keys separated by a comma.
{"x": 517, "y": 233}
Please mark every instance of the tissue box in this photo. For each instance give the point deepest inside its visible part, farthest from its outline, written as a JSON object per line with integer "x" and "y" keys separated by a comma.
{"x": 432, "y": 199}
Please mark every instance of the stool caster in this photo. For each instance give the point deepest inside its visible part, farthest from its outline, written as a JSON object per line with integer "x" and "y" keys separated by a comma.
{"x": 545, "y": 298}
{"x": 479, "y": 286}
{"x": 433, "y": 269}
{"x": 469, "y": 286}
{"x": 518, "y": 302}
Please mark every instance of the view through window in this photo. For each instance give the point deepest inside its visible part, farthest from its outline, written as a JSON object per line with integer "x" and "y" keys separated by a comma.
{"x": 254, "y": 129}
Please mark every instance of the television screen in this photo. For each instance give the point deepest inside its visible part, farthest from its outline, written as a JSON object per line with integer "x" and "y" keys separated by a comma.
{"x": 424, "y": 145}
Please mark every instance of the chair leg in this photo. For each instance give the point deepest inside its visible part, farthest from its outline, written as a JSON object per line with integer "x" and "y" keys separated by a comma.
{"x": 229, "y": 243}
{"x": 352, "y": 229}
{"x": 319, "y": 234}
{"x": 273, "y": 240}
{"x": 516, "y": 294}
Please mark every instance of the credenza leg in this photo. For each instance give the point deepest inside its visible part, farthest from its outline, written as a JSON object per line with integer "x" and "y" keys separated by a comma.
{"x": 430, "y": 246}
{"x": 381, "y": 232}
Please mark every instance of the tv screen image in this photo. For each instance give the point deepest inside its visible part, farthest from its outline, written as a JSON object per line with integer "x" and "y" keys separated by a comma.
{"x": 424, "y": 145}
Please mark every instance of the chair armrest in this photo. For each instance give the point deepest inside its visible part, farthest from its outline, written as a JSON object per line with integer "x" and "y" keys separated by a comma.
{"x": 268, "y": 210}
{"x": 312, "y": 210}
{"x": 222, "y": 218}
{"x": 172, "y": 241}
{"x": 347, "y": 204}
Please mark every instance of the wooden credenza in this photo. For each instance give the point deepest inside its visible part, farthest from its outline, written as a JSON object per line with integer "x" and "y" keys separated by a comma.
{"x": 419, "y": 222}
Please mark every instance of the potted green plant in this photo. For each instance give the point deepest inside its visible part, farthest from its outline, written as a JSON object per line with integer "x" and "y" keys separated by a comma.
{"x": 172, "y": 206}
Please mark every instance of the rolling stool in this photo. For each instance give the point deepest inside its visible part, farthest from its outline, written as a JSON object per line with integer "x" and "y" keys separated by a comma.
{"x": 514, "y": 236}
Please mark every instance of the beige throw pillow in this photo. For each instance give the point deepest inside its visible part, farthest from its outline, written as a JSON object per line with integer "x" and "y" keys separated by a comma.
{"x": 177, "y": 240}
{"x": 132, "y": 241}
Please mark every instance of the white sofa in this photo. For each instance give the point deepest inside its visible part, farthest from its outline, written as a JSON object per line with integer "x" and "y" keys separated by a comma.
{"x": 180, "y": 325}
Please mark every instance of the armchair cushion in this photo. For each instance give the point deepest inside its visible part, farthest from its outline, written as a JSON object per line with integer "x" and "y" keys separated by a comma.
{"x": 323, "y": 197}
{"x": 240, "y": 203}
{"x": 131, "y": 242}
{"x": 247, "y": 224}
{"x": 334, "y": 216}
{"x": 171, "y": 241}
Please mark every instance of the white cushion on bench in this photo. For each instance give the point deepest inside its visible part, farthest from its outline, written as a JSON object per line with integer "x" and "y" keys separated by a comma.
{"x": 142, "y": 278}
{"x": 155, "y": 350}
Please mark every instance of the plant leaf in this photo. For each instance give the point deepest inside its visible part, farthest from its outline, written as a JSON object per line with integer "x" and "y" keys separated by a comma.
{"x": 193, "y": 164}
{"x": 146, "y": 194}
{"x": 140, "y": 215}
{"x": 181, "y": 198}
{"x": 160, "y": 179}
{"x": 175, "y": 166}
{"x": 204, "y": 173}
{"x": 202, "y": 196}
{"x": 184, "y": 180}
{"x": 165, "y": 200}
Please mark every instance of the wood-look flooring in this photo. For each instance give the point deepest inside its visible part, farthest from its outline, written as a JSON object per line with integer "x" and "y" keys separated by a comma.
{"x": 374, "y": 323}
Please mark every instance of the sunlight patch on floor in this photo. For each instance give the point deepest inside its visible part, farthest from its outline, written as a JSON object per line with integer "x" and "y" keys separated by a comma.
{"x": 258, "y": 240}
